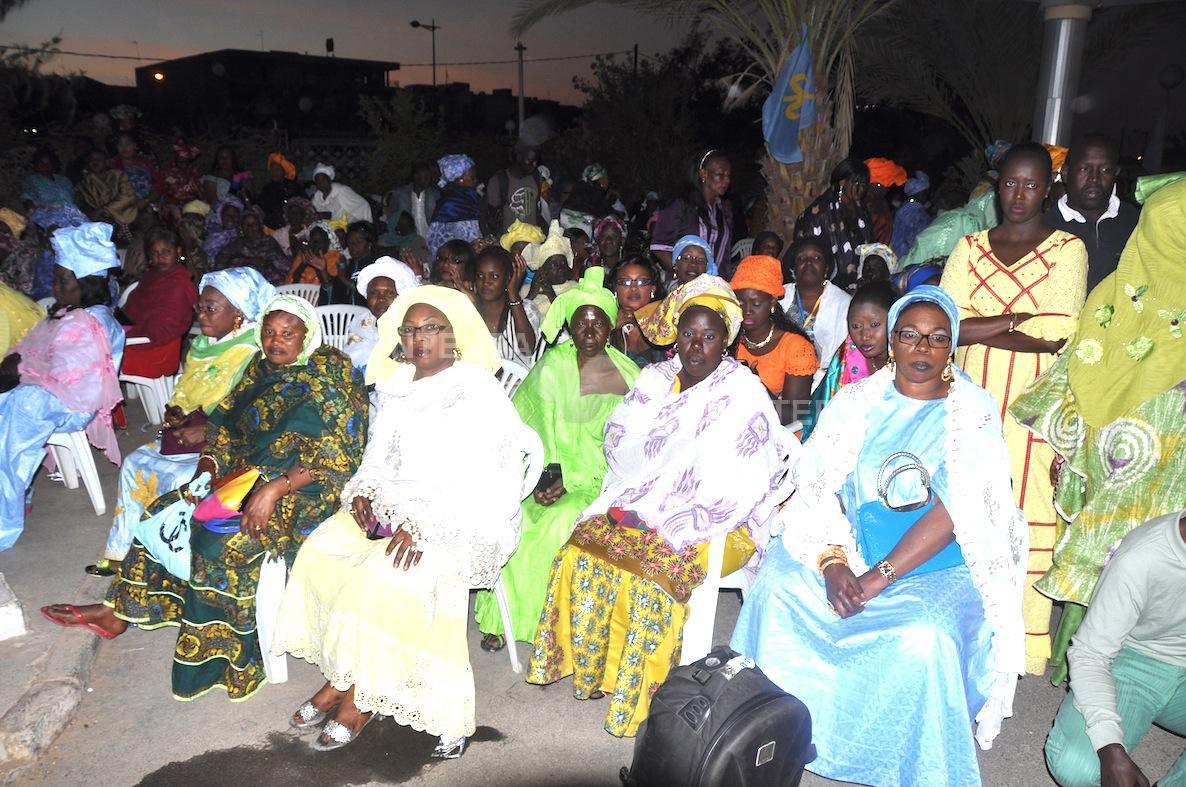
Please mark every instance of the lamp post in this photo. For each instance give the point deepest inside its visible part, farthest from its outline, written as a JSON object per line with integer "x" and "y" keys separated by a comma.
{"x": 431, "y": 27}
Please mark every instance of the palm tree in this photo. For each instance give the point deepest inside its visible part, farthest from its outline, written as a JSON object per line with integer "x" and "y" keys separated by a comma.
{"x": 768, "y": 31}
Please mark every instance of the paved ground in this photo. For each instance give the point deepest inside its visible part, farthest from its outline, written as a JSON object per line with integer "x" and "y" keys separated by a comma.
{"x": 127, "y": 729}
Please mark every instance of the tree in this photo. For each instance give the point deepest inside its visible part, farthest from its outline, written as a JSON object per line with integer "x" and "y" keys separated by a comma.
{"x": 405, "y": 134}
{"x": 767, "y": 31}
{"x": 645, "y": 124}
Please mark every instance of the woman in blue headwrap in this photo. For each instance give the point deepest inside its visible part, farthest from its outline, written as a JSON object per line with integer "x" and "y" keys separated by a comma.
{"x": 228, "y": 309}
{"x": 61, "y": 377}
{"x": 460, "y": 205}
{"x": 891, "y": 602}
{"x": 692, "y": 256}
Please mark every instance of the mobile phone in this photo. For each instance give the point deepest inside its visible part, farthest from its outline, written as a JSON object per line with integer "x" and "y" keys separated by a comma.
{"x": 550, "y": 476}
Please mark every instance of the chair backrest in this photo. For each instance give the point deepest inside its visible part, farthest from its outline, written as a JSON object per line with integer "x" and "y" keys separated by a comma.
{"x": 123, "y": 296}
{"x": 335, "y": 322}
{"x": 741, "y": 249}
{"x": 310, "y": 292}
{"x": 511, "y": 376}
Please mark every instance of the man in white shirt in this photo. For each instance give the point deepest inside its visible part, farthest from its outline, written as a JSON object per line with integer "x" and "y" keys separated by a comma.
{"x": 418, "y": 198}
{"x": 1128, "y": 663}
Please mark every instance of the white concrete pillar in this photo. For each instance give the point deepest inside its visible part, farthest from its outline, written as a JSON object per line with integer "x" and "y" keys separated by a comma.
{"x": 1063, "y": 39}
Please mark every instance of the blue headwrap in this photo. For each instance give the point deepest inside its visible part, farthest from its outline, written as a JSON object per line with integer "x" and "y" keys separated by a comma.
{"x": 453, "y": 166}
{"x": 85, "y": 250}
{"x": 929, "y": 293}
{"x": 245, "y": 288}
{"x": 58, "y": 216}
{"x": 913, "y": 276}
{"x": 695, "y": 240}
{"x": 917, "y": 184}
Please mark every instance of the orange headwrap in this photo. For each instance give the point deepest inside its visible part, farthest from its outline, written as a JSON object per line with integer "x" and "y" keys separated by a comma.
{"x": 885, "y": 172}
{"x": 286, "y": 165}
{"x": 761, "y": 273}
{"x": 1058, "y": 156}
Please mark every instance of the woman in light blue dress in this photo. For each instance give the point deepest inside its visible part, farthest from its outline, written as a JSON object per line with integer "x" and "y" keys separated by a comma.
{"x": 61, "y": 377}
{"x": 891, "y": 603}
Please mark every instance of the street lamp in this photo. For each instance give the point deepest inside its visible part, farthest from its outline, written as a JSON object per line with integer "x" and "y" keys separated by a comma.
{"x": 431, "y": 27}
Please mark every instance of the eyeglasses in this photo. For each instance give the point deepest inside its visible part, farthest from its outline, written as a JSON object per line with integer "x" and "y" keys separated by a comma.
{"x": 432, "y": 329}
{"x": 209, "y": 308}
{"x": 688, "y": 258}
{"x": 633, "y": 282}
{"x": 940, "y": 341}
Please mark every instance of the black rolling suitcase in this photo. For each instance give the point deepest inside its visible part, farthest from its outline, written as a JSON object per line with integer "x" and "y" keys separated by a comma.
{"x": 720, "y": 722}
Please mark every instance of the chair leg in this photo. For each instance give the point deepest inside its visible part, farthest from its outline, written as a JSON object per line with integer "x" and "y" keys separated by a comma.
{"x": 90, "y": 474}
{"x": 67, "y": 465}
{"x": 508, "y": 632}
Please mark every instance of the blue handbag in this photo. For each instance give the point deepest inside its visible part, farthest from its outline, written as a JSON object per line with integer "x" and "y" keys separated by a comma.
{"x": 883, "y": 525}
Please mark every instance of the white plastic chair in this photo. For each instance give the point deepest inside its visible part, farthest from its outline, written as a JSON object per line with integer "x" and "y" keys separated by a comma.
{"x": 123, "y": 296}
{"x": 335, "y": 322}
{"x": 702, "y": 606}
{"x": 310, "y": 292}
{"x": 533, "y": 464}
{"x": 153, "y": 392}
{"x": 741, "y": 249}
{"x": 512, "y": 376}
{"x": 73, "y": 456}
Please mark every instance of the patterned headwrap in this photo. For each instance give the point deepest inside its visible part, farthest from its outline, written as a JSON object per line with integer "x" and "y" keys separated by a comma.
{"x": 453, "y": 166}
{"x": 917, "y": 184}
{"x": 699, "y": 242}
{"x": 58, "y": 216}
{"x": 590, "y": 291}
{"x": 85, "y": 250}
{"x": 290, "y": 170}
{"x": 518, "y": 231}
{"x": 929, "y": 293}
{"x": 659, "y": 320}
{"x": 185, "y": 151}
{"x": 594, "y": 173}
{"x": 393, "y": 269}
{"x": 470, "y": 334}
{"x": 537, "y": 254}
{"x": 302, "y": 309}
{"x": 885, "y": 171}
{"x": 15, "y": 221}
{"x": 610, "y": 220}
{"x": 876, "y": 250}
{"x": 246, "y": 289}
{"x": 759, "y": 272}
{"x": 325, "y": 169}
{"x": 334, "y": 243}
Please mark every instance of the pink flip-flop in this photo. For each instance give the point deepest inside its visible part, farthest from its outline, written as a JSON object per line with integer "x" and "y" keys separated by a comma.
{"x": 77, "y": 615}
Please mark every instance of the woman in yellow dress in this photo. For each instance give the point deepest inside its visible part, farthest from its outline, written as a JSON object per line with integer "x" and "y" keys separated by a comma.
{"x": 1019, "y": 287}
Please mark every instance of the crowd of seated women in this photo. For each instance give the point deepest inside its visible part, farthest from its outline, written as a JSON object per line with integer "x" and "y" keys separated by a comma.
{"x": 886, "y": 454}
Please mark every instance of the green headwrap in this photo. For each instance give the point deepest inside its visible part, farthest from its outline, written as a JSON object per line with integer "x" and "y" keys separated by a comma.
{"x": 300, "y": 308}
{"x": 590, "y": 291}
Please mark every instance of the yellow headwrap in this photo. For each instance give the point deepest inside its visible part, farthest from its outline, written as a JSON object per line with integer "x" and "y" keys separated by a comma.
{"x": 15, "y": 221}
{"x": 658, "y": 320}
{"x": 520, "y": 230}
{"x": 470, "y": 333}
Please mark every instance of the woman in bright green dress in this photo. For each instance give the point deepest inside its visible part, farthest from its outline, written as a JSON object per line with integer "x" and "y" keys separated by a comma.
{"x": 566, "y": 399}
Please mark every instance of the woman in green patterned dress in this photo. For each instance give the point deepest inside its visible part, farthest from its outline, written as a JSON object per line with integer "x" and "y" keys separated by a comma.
{"x": 1114, "y": 406}
{"x": 299, "y": 416}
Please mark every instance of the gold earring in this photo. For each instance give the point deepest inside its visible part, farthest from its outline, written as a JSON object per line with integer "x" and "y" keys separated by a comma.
{"x": 890, "y": 363}
{"x": 948, "y": 373}
{"x": 456, "y": 354}
{"x": 238, "y": 322}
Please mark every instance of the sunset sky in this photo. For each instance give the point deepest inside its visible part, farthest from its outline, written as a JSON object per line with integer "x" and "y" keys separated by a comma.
{"x": 470, "y": 30}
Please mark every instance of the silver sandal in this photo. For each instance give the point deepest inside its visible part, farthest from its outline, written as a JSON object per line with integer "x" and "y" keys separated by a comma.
{"x": 339, "y": 735}
{"x": 449, "y": 749}
{"x": 309, "y": 716}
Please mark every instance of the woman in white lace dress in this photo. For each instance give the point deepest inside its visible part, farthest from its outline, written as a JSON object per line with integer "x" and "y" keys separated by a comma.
{"x": 378, "y": 595}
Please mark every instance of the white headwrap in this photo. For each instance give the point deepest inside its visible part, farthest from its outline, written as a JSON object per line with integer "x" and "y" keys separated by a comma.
{"x": 324, "y": 169}
{"x": 85, "y": 250}
{"x": 393, "y": 269}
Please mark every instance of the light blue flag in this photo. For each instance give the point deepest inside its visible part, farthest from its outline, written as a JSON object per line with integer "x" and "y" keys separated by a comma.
{"x": 791, "y": 105}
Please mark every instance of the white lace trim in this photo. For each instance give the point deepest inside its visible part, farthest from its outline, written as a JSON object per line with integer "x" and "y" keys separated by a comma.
{"x": 989, "y": 528}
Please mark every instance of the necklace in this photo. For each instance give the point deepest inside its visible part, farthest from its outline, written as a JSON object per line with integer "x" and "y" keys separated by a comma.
{"x": 761, "y": 344}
